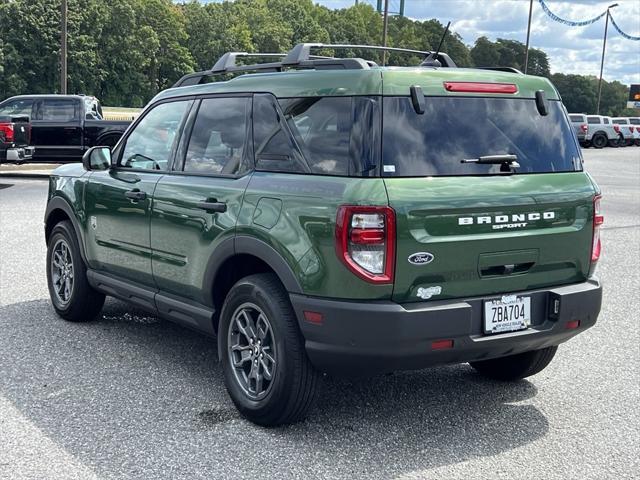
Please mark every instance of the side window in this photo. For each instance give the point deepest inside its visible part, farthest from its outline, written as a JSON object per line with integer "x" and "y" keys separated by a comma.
{"x": 17, "y": 107}
{"x": 593, "y": 120}
{"x": 150, "y": 144}
{"x": 59, "y": 110}
{"x": 337, "y": 135}
{"x": 606, "y": 121}
{"x": 273, "y": 148}
{"x": 218, "y": 143}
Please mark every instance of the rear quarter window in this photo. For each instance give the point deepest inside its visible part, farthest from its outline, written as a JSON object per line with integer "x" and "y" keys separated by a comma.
{"x": 593, "y": 120}
{"x": 576, "y": 118}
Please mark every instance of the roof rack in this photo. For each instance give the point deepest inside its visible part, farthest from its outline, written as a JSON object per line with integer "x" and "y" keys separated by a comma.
{"x": 298, "y": 57}
{"x": 302, "y": 52}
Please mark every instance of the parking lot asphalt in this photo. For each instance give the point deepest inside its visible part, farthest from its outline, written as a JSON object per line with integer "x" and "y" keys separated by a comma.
{"x": 131, "y": 396}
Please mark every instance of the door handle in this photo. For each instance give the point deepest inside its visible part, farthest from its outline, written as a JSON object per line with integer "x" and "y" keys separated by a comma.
{"x": 135, "y": 194}
{"x": 212, "y": 205}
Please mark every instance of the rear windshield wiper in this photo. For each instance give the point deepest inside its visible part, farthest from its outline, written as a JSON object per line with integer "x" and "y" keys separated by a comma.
{"x": 506, "y": 162}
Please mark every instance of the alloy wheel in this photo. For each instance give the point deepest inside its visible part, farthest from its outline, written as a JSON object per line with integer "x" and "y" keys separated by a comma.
{"x": 62, "y": 271}
{"x": 252, "y": 351}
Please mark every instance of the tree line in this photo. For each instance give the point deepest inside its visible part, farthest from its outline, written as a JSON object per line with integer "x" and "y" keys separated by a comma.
{"x": 125, "y": 51}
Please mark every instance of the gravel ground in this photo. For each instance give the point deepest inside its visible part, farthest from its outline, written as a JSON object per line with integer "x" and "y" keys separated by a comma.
{"x": 129, "y": 396}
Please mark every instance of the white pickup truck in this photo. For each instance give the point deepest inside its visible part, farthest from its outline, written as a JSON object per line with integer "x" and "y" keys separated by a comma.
{"x": 629, "y": 130}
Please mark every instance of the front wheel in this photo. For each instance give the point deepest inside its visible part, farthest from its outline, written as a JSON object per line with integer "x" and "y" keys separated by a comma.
{"x": 266, "y": 369}
{"x": 71, "y": 295}
{"x": 515, "y": 367}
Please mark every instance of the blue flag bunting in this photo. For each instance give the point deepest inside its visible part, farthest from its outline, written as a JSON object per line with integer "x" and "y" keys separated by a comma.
{"x": 584, "y": 22}
{"x": 625, "y": 35}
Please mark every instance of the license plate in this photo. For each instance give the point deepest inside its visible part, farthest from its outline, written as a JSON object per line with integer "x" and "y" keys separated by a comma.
{"x": 507, "y": 314}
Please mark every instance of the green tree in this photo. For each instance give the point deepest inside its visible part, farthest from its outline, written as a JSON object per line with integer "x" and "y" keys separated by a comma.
{"x": 485, "y": 53}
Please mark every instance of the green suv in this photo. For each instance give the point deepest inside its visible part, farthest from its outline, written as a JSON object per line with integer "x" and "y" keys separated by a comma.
{"x": 327, "y": 215}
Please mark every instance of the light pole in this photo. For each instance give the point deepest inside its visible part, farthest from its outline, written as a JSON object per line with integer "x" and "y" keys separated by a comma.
{"x": 63, "y": 49}
{"x": 526, "y": 48}
{"x": 385, "y": 26}
{"x": 604, "y": 45}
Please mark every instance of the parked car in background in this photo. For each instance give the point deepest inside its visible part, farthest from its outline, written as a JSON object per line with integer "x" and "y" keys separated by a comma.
{"x": 635, "y": 121}
{"x": 580, "y": 127}
{"x": 15, "y": 137}
{"x": 601, "y": 132}
{"x": 63, "y": 127}
{"x": 631, "y": 134}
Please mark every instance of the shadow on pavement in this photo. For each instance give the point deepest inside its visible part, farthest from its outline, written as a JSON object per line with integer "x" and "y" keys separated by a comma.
{"x": 131, "y": 395}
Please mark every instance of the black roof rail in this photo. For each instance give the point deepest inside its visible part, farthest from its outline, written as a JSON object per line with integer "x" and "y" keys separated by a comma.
{"x": 502, "y": 69}
{"x": 302, "y": 52}
{"x": 227, "y": 64}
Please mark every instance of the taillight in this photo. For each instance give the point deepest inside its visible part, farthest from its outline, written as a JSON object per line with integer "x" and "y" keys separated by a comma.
{"x": 480, "y": 87}
{"x": 616, "y": 128}
{"x": 584, "y": 127}
{"x": 366, "y": 241}
{"x": 598, "y": 219}
{"x": 6, "y": 132}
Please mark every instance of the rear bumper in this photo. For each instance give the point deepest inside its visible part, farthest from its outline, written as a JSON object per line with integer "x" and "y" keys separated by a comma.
{"x": 363, "y": 338}
{"x": 17, "y": 154}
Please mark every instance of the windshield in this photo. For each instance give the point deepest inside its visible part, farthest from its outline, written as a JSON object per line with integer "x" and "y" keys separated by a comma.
{"x": 453, "y": 129}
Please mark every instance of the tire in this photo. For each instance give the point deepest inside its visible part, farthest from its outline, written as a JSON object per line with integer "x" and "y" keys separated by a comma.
{"x": 614, "y": 143}
{"x": 515, "y": 367}
{"x": 637, "y": 142}
{"x": 290, "y": 393}
{"x": 599, "y": 140}
{"x": 75, "y": 300}
{"x": 109, "y": 141}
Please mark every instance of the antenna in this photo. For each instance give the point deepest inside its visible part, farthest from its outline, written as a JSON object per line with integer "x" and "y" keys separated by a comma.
{"x": 432, "y": 59}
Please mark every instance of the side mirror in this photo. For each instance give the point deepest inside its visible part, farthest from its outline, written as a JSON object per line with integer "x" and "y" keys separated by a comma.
{"x": 97, "y": 158}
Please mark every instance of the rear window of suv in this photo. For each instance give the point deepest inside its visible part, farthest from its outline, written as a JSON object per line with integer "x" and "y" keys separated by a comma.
{"x": 456, "y": 128}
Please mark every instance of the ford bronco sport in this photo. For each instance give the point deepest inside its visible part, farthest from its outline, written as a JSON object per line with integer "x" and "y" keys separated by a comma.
{"x": 326, "y": 214}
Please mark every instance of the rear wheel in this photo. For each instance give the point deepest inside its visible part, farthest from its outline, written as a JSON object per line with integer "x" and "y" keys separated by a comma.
{"x": 599, "y": 140}
{"x": 71, "y": 295}
{"x": 515, "y": 367}
{"x": 266, "y": 369}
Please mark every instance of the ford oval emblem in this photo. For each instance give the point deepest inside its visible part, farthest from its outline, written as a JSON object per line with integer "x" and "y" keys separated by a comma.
{"x": 420, "y": 258}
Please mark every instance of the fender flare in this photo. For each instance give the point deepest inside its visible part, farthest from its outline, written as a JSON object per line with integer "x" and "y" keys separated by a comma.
{"x": 58, "y": 203}
{"x": 243, "y": 244}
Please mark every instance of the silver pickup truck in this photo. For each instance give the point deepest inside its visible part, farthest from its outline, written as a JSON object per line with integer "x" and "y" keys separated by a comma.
{"x": 596, "y": 130}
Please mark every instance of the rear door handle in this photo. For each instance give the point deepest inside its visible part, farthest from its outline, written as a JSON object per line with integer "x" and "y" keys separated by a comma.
{"x": 135, "y": 194}
{"x": 212, "y": 205}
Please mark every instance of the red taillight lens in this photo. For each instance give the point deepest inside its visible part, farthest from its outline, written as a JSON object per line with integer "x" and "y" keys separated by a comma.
{"x": 598, "y": 219}
{"x": 616, "y": 128}
{"x": 366, "y": 241}
{"x": 480, "y": 87}
{"x": 584, "y": 127}
{"x": 6, "y": 132}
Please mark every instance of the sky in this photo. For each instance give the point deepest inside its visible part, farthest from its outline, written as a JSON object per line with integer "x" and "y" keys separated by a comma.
{"x": 570, "y": 49}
